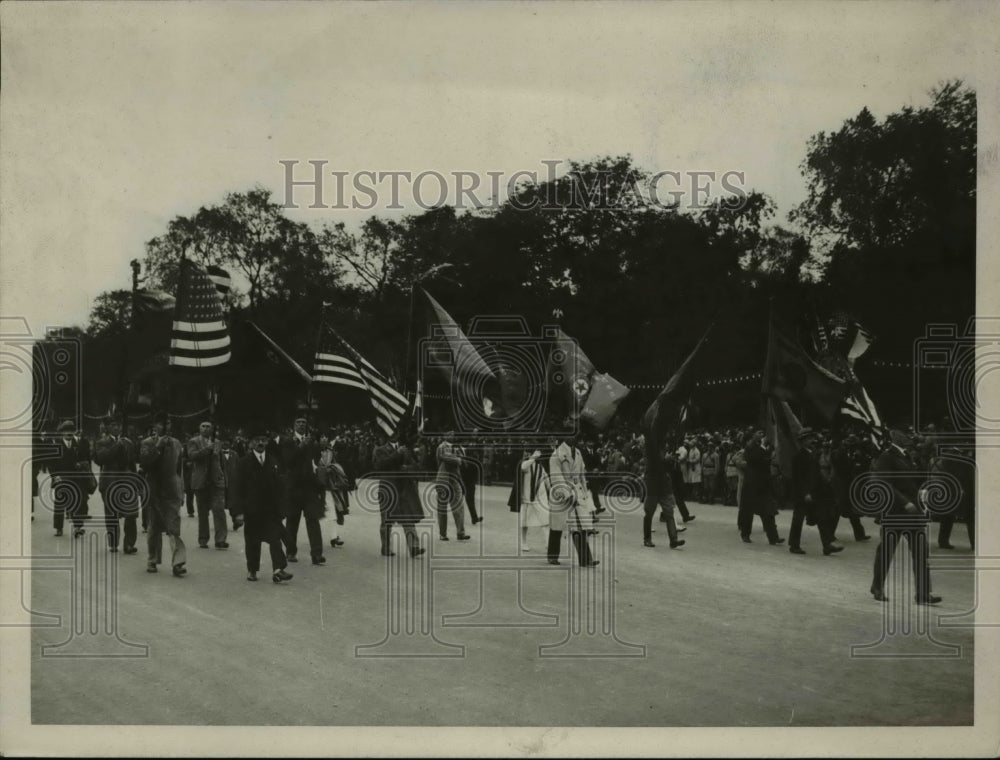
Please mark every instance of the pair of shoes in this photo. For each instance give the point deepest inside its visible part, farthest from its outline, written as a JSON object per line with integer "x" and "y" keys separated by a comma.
{"x": 292, "y": 558}
{"x": 388, "y": 553}
{"x": 776, "y": 542}
{"x": 929, "y": 599}
{"x": 689, "y": 518}
{"x": 831, "y": 549}
{"x": 417, "y": 552}
{"x": 202, "y": 546}
{"x": 525, "y": 548}
{"x": 591, "y": 532}
{"x": 221, "y": 545}
{"x": 878, "y": 594}
{"x": 945, "y": 546}
{"x": 281, "y": 575}
{"x": 477, "y": 520}
{"x": 745, "y": 539}
{"x": 554, "y": 562}
{"x": 320, "y": 560}
{"x": 796, "y": 550}
{"x": 252, "y": 575}
{"x": 151, "y": 569}
{"x": 58, "y": 533}
{"x": 336, "y": 541}
{"x": 650, "y": 544}
{"x": 675, "y": 544}
{"x": 464, "y": 537}
{"x": 443, "y": 538}
{"x": 863, "y": 538}
{"x": 593, "y": 563}
{"x": 340, "y": 518}
{"x": 681, "y": 529}
{"x": 180, "y": 570}
{"x": 78, "y": 532}
{"x": 113, "y": 549}
{"x": 130, "y": 550}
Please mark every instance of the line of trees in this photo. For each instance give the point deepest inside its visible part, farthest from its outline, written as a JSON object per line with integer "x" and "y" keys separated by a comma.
{"x": 886, "y": 232}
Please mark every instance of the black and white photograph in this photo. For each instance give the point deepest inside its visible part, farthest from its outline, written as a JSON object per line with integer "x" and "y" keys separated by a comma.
{"x": 499, "y": 379}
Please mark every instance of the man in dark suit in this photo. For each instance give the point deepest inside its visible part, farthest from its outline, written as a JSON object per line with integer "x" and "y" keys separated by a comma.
{"x": 72, "y": 478}
{"x": 399, "y": 499}
{"x": 160, "y": 457}
{"x": 256, "y": 500}
{"x": 208, "y": 481}
{"x": 756, "y": 498}
{"x": 659, "y": 493}
{"x": 812, "y": 497}
{"x": 304, "y": 496}
{"x": 116, "y": 455}
{"x": 902, "y": 517}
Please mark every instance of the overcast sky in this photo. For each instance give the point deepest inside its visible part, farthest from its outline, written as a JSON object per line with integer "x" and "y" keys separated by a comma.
{"x": 118, "y": 117}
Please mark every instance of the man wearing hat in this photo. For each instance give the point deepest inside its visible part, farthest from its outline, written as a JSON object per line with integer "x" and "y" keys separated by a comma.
{"x": 812, "y": 496}
{"x": 893, "y": 470}
{"x": 208, "y": 481}
{"x": 450, "y": 494}
{"x": 303, "y": 490}
{"x": 116, "y": 455}
{"x": 399, "y": 499}
{"x": 160, "y": 457}
{"x": 72, "y": 478}
{"x": 256, "y": 503}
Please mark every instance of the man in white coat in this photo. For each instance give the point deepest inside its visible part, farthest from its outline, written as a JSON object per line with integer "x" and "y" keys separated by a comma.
{"x": 569, "y": 500}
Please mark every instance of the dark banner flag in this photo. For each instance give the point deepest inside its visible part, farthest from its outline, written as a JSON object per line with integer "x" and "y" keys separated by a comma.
{"x": 791, "y": 375}
{"x": 576, "y": 387}
{"x": 782, "y": 428}
{"x": 665, "y": 409}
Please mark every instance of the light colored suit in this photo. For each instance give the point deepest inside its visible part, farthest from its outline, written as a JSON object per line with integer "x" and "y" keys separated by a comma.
{"x": 569, "y": 497}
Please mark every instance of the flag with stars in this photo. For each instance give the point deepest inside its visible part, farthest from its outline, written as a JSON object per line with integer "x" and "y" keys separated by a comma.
{"x": 199, "y": 337}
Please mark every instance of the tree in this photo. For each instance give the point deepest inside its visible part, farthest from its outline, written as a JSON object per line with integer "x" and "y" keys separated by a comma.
{"x": 891, "y": 206}
{"x": 111, "y": 313}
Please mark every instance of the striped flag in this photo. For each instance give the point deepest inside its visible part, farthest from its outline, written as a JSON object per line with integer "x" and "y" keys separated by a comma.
{"x": 220, "y": 278}
{"x": 199, "y": 336}
{"x": 337, "y": 362}
{"x": 859, "y": 407}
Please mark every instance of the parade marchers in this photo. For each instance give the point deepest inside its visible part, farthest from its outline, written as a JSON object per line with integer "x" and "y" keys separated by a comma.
{"x": 269, "y": 481}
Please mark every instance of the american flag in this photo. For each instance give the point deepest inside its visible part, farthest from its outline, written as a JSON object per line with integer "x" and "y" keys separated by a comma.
{"x": 220, "y": 277}
{"x": 337, "y": 362}
{"x": 199, "y": 337}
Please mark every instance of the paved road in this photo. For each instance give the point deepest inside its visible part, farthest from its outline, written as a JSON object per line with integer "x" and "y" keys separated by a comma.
{"x": 734, "y": 635}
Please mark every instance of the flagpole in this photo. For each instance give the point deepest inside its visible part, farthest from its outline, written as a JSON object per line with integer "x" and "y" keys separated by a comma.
{"x": 181, "y": 282}
{"x": 409, "y": 343}
{"x": 319, "y": 342}
{"x": 127, "y": 339}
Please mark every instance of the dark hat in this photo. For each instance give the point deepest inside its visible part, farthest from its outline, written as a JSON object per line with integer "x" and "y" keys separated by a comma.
{"x": 66, "y": 426}
{"x": 257, "y": 430}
